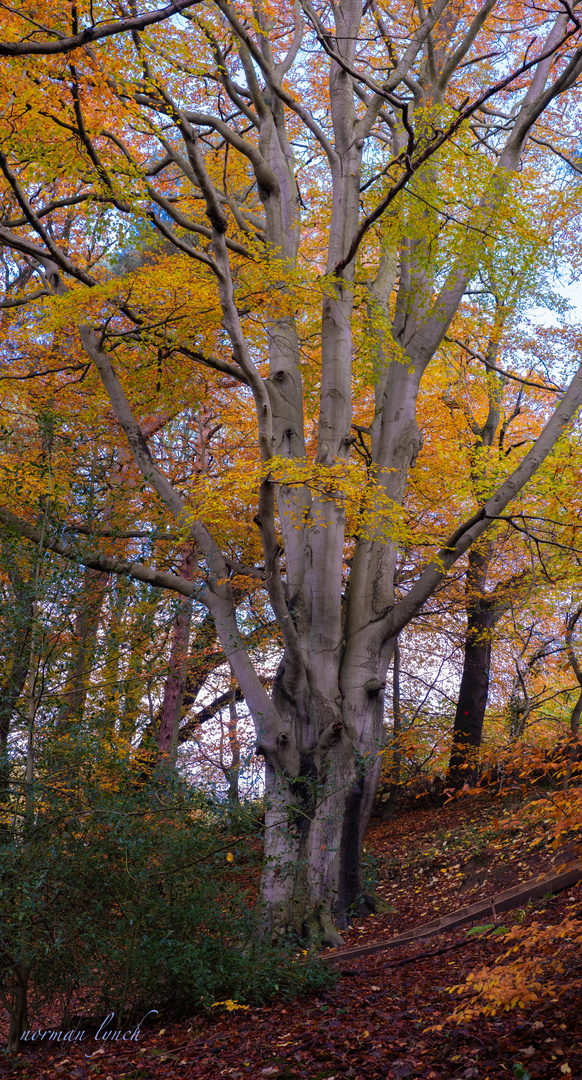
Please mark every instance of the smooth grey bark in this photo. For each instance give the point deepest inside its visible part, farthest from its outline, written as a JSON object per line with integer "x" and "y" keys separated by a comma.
{"x": 321, "y": 732}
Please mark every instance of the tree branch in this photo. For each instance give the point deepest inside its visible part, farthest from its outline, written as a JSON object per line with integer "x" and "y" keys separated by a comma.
{"x": 553, "y": 389}
{"x": 159, "y": 579}
{"x": 94, "y": 33}
{"x": 462, "y": 539}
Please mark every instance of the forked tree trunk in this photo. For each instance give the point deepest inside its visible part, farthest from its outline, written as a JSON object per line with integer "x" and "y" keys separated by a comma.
{"x": 483, "y": 609}
{"x": 315, "y": 823}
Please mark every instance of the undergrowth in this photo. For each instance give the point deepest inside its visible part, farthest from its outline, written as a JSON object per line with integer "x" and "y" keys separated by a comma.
{"x": 122, "y": 896}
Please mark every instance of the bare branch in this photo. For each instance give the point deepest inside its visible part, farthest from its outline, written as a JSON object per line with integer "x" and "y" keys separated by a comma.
{"x": 552, "y": 388}
{"x": 94, "y": 33}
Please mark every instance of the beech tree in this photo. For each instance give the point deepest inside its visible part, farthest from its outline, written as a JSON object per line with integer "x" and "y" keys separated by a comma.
{"x": 313, "y": 189}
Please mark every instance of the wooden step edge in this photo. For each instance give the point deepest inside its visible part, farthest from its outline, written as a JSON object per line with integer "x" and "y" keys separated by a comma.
{"x": 532, "y": 889}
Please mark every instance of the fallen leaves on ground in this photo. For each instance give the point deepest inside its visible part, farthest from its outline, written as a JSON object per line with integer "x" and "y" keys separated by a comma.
{"x": 380, "y": 1021}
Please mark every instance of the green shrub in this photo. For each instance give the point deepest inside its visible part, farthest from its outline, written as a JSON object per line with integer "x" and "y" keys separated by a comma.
{"x": 120, "y": 896}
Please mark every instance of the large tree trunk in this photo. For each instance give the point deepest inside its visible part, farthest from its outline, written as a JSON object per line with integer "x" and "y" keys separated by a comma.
{"x": 314, "y": 827}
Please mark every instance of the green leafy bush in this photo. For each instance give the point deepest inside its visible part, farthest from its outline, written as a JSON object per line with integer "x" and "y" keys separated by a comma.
{"x": 119, "y": 895}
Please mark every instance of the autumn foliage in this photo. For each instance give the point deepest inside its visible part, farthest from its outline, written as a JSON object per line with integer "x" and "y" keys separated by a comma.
{"x": 289, "y": 440}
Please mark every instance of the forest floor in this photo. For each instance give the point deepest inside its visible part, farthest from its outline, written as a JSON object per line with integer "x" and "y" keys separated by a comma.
{"x": 380, "y": 1021}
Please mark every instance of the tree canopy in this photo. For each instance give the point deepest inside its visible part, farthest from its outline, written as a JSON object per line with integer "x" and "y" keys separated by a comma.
{"x": 264, "y": 346}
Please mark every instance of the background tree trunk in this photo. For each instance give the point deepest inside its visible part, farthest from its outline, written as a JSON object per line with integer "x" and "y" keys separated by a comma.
{"x": 396, "y": 750}
{"x": 89, "y": 607}
{"x": 18, "y": 632}
{"x": 474, "y": 689}
{"x": 175, "y": 686}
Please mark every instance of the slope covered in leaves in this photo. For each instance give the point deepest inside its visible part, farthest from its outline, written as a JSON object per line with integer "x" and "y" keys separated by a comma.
{"x": 389, "y": 1015}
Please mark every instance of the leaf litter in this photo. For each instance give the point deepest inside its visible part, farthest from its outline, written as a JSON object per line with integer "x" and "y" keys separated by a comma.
{"x": 387, "y": 1017}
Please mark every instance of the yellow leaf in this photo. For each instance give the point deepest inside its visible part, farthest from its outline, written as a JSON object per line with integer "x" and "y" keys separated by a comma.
{"x": 229, "y": 1005}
